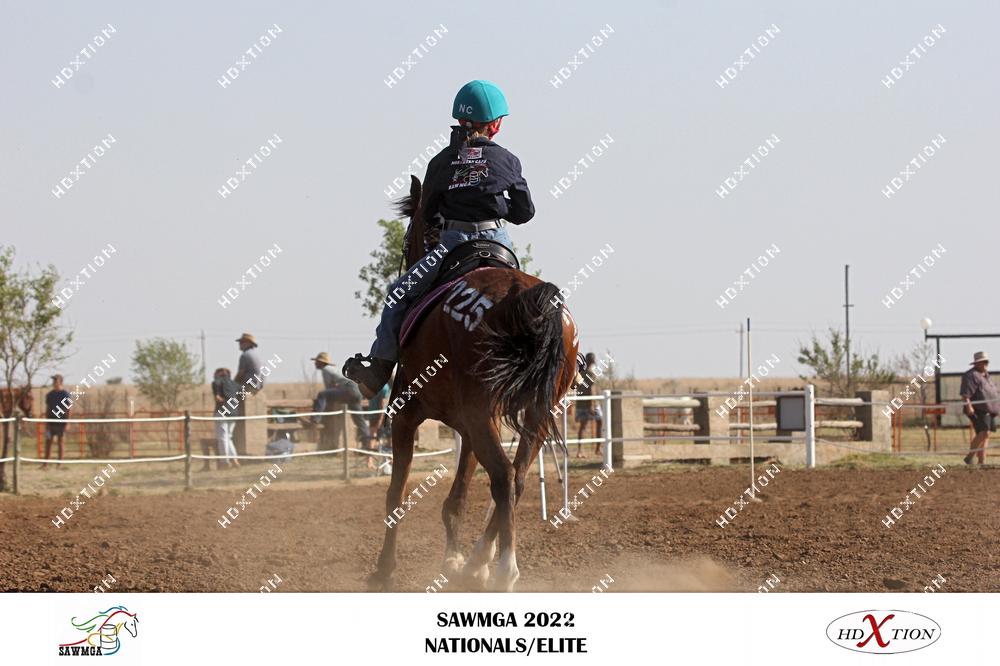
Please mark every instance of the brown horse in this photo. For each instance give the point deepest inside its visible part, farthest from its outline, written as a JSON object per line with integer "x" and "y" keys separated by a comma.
{"x": 509, "y": 354}
{"x": 11, "y": 399}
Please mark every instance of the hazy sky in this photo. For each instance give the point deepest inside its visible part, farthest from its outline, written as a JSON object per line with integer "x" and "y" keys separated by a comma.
{"x": 320, "y": 85}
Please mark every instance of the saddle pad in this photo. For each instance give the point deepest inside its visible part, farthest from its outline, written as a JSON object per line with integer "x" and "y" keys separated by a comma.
{"x": 421, "y": 307}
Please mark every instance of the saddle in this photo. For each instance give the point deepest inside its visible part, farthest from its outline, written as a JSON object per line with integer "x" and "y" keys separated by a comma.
{"x": 462, "y": 260}
{"x": 474, "y": 254}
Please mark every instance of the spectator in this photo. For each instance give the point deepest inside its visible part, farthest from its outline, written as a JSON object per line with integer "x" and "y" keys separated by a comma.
{"x": 338, "y": 389}
{"x": 57, "y": 406}
{"x": 224, "y": 389}
{"x": 982, "y": 404}
{"x": 248, "y": 370}
{"x": 249, "y": 378}
{"x": 588, "y": 410}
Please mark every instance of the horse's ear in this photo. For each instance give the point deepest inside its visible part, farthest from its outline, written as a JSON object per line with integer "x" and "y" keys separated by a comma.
{"x": 414, "y": 189}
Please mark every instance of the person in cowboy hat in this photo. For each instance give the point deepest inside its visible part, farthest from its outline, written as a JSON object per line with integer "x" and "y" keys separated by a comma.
{"x": 339, "y": 389}
{"x": 248, "y": 370}
{"x": 471, "y": 190}
{"x": 982, "y": 404}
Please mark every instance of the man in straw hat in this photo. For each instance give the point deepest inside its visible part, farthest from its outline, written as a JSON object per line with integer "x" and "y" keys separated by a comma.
{"x": 339, "y": 389}
{"x": 248, "y": 377}
{"x": 248, "y": 370}
{"x": 982, "y": 404}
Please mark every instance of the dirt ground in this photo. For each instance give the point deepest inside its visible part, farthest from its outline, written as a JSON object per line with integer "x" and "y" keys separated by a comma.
{"x": 818, "y": 530}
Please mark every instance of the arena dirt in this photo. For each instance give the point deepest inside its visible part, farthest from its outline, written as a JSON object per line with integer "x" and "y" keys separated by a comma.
{"x": 816, "y": 530}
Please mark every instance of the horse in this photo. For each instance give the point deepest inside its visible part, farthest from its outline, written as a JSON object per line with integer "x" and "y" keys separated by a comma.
{"x": 11, "y": 399}
{"x": 510, "y": 352}
{"x": 103, "y": 631}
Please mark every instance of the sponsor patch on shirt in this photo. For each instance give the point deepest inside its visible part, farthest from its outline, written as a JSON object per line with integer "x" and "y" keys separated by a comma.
{"x": 468, "y": 154}
{"x": 469, "y": 175}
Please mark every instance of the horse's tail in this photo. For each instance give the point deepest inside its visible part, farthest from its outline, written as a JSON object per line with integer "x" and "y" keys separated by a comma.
{"x": 522, "y": 358}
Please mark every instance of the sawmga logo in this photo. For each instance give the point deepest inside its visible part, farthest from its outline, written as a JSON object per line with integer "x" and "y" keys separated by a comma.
{"x": 883, "y": 632}
{"x": 103, "y": 633}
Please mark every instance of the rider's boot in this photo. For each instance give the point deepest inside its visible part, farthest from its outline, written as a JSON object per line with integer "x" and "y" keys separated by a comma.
{"x": 370, "y": 378}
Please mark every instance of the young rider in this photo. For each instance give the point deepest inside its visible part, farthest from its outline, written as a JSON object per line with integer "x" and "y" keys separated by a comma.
{"x": 463, "y": 196}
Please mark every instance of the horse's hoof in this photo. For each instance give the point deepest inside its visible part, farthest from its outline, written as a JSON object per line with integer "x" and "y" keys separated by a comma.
{"x": 477, "y": 579}
{"x": 452, "y": 565}
{"x": 379, "y": 583}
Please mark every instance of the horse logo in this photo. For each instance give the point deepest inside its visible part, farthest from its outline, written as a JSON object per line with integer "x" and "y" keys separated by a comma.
{"x": 103, "y": 632}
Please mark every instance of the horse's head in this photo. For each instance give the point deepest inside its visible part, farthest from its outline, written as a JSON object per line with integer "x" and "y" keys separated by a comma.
{"x": 409, "y": 206}
{"x": 132, "y": 625}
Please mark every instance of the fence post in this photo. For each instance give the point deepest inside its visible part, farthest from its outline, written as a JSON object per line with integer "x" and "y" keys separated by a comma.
{"x": 541, "y": 481}
{"x": 347, "y": 453}
{"x": 187, "y": 450}
{"x": 810, "y": 426}
{"x": 607, "y": 429}
{"x": 17, "y": 452}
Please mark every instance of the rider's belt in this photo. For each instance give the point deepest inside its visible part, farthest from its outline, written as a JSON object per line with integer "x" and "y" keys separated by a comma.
{"x": 471, "y": 227}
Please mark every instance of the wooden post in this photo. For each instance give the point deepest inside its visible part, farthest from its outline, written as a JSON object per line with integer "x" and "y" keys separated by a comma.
{"x": 17, "y": 452}
{"x": 187, "y": 450}
{"x": 347, "y": 454}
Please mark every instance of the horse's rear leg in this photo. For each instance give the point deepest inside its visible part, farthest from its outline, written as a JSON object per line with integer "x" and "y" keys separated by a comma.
{"x": 491, "y": 454}
{"x": 403, "y": 429}
{"x": 453, "y": 510}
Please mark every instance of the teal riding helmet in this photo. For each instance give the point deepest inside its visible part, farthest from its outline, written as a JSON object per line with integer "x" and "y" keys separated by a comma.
{"x": 479, "y": 101}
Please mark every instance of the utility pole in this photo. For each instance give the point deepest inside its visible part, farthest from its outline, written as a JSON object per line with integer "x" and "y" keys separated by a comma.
{"x": 740, "y": 373}
{"x": 847, "y": 321}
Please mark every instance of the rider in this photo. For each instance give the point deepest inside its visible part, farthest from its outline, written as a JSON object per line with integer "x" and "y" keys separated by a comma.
{"x": 463, "y": 197}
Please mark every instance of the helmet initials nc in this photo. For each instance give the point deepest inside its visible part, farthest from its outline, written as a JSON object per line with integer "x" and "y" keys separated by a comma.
{"x": 465, "y": 108}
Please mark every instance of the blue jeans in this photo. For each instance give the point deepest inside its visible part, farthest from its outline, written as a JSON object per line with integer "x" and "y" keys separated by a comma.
{"x": 416, "y": 282}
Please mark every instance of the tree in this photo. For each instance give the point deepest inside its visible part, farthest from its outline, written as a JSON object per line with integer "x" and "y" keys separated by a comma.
{"x": 163, "y": 369}
{"x": 383, "y": 269}
{"x": 380, "y": 272}
{"x": 827, "y": 364}
{"x": 30, "y": 336}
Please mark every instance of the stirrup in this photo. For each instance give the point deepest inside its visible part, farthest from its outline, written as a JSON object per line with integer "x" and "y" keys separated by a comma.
{"x": 369, "y": 378}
